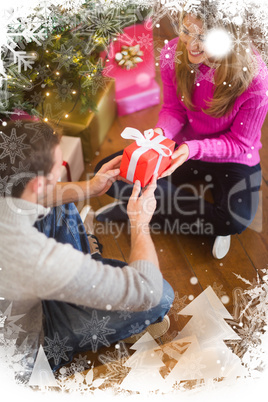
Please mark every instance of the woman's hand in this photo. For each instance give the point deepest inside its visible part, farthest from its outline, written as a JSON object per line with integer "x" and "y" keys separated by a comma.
{"x": 177, "y": 159}
{"x": 105, "y": 177}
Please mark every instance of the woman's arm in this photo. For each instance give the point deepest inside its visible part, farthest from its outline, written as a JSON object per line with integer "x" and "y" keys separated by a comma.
{"x": 172, "y": 116}
{"x": 243, "y": 134}
{"x": 242, "y": 138}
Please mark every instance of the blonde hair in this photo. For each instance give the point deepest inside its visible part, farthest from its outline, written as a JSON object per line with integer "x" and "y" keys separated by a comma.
{"x": 234, "y": 72}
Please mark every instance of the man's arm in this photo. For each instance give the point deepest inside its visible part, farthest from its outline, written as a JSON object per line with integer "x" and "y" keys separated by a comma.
{"x": 64, "y": 193}
{"x": 140, "y": 210}
{"x": 91, "y": 283}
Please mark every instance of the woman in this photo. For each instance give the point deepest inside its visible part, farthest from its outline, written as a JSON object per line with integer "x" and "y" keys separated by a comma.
{"x": 213, "y": 108}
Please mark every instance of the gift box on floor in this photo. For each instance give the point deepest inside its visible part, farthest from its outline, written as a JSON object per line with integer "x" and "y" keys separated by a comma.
{"x": 136, "y": 98}
{"x": 91, "y": 127}
{"x": 73, "y": 163}
{"x": 94, "y": 127}
{"x": 136, "y": 88}
{"x": 148, "y": 155}
{"x": 19, "y": 114}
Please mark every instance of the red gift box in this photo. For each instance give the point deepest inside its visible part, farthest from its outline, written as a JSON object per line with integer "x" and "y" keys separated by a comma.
{"x": 149, "y": 154}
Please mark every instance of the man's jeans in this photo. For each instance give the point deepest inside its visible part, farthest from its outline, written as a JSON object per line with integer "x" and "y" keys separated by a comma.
{"x": 71, "y": 329}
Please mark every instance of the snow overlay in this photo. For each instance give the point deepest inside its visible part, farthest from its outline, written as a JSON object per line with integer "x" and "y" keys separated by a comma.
{"x": 22, "y": 23}
{"x": 213, "y": 344}
{"x": 213, "y": 349}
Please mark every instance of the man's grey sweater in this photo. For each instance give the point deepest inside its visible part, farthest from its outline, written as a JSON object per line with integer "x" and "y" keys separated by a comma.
{"x": 36, "y": 268}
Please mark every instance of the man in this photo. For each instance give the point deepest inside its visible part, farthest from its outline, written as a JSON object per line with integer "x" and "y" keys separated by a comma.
{"x": 65, "y": 299}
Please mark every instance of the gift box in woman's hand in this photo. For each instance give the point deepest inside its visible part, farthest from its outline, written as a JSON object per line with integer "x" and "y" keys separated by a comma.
{"x": 148, "y": 155}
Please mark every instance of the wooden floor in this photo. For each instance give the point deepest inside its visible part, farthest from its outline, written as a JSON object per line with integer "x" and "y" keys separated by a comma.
{"x": 183, "y": 257}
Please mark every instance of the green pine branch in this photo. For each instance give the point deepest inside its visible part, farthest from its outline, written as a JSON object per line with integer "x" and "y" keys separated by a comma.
{"x": 63, "y": 68}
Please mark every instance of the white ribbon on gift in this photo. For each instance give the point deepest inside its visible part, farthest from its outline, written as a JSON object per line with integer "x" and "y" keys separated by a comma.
{"x": 144, "y": 142}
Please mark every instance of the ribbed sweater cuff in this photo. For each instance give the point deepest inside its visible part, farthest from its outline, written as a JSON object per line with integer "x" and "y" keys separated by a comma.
{"x": 193, "y": 148}
{"x": 146, "y": 267}
{"x": 169, "y": 124}
{"x": 166, "y": 131}
{"x": 150, "y": 271}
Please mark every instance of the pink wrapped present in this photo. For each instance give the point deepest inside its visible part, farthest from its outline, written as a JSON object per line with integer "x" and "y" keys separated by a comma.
{"x": 73, "y": 163}
{"x": 19, "y": 114}
{"x": 136, "y": 98}
{"x": 137, "y": 34}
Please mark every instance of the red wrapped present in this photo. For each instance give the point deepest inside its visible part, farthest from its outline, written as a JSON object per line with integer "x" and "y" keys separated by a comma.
{"x": 149, "y": 154}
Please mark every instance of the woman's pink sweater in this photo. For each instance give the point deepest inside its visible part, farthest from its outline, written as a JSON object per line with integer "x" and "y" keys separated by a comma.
{"x": 232, "y": 138}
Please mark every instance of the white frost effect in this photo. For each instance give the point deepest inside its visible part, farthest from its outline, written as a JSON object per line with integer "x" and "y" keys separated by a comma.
{"x": 73, "y": 380}
{"x": 169, "y": 56}
{"x": 145, "y": 41}
{"x": 195, "y": 358}
{"x": 114, "y": 363}
{"x": 218, "y": 43}
{"x": 94, "y": 331}
{"x": 13, "y": 146}
{"x": 20, "y": 24}
{"x": 100, "y": 73}
{"x": 144, "y": 375}
{"x": 56, "y": 348}
{"x": 63, "y": 90}
{"x": 32, "y": 21}
{"x": 15, "y": 360}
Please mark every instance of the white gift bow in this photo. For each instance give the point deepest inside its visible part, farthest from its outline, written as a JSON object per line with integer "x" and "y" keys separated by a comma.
{"x": 144, "y": 142}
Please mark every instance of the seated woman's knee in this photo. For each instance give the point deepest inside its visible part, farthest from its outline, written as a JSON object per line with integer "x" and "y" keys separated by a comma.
{"x": 236, "y": 225}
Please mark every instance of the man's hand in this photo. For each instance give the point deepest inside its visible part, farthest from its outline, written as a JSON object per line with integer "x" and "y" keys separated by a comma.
{"x": 178, "y": 158}
{"x": 140, "y": 208}
{"x": 105, "y": 177}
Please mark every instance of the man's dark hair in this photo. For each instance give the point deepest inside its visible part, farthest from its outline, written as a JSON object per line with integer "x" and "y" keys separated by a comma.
{"x": 26, "y": 151}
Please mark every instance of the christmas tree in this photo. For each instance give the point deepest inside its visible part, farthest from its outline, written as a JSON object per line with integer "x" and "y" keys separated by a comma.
{"x": 208, "y": 357}
{"x": 208, "y": 322}
{"x": 54, "y": 52}
{"x": 42, "y": 375}
{"x": 144, "y": 363}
